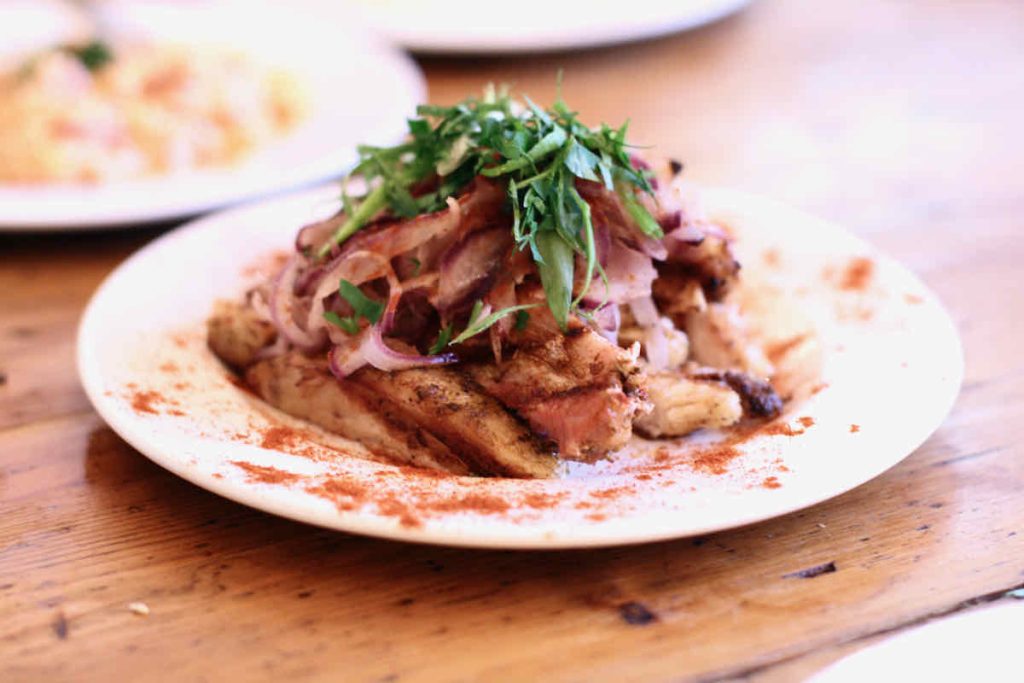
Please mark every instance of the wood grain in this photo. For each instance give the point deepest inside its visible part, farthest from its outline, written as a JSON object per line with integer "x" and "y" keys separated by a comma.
{"x": 899, "y": 120}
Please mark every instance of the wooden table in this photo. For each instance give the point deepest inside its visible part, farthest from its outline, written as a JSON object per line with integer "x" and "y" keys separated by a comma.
{"x": 900, "y": 120}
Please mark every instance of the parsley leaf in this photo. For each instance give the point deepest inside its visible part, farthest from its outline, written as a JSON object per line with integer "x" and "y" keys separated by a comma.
{"x": 443, "y": 337}
{"x": 93, "y": 56}
{"x": 362, "y": 307}
{"x": 360, "y": 303}
{"x": 478, "y": 323}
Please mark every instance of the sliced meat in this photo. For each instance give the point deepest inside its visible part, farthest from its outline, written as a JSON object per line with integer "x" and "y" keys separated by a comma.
{"x": 427, "y": 417}
{"x": 759, "y": 397}
{"x": 452, "y": 407}
{"x": 719, "y": 339}
{"x": 677, "y": 294}
{"x": 710, "y": 261}
{"x": 305, "y": 388}
{"x": 682, "y": 405}
{"x": 236, "y": 333}
{"x": 578, "y": 389}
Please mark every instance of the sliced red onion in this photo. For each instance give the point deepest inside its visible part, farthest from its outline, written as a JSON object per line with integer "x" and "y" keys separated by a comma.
{"x": 609, "y": 320}
{"x": 282, "y": 300}
{"x": 630, "y": 275}
{"x": 356, "y": 267}
{"x": 469, "y": 267}
{"x": 313, "y": 235}
{"x": 652, "y": 247}
{"x": 670, "y": 221}
{"x": 656, "y": 347}
{"x": 308, "y": 279}
{"x": 403, "y": 236}
{"x": 644, "y": 311}
{"x": 279, "y": 346}
{"x": 372, "y": 350}
{"x": 687, "y": 233}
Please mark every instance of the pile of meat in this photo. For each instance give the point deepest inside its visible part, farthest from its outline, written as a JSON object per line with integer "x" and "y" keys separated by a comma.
{"x": 654, "y": 350}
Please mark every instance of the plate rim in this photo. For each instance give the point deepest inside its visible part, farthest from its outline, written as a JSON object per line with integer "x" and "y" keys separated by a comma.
{"x": 603, "y": 36}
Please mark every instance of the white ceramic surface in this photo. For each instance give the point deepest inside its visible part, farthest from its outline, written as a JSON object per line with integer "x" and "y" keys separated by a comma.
{"x": 977, "y": 646}
{"x": 890, "y": 367}
{"x": 469, "y": 27}
{"x": 360, "y": 92}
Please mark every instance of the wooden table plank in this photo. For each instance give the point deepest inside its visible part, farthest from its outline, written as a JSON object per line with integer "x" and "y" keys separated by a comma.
{"x": 900, "y": 120}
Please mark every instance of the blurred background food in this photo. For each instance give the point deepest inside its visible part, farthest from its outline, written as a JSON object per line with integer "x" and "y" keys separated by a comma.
{"x": 104, "y": 110}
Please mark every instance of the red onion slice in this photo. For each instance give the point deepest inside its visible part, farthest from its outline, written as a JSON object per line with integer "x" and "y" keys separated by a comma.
{"x": 687, "y": 233}
{"x": 470, "y": 267}
{"x": 656, "y": 347}
{"x": 630, "y": 276}
{"x": 356, "y": 267}
{"x": 645, "y": 312}
{"x": 282, "y": 300}
{"x": 372, "y": 350}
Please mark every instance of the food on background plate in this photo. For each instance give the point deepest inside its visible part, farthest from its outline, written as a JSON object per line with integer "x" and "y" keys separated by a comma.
{"x": 505, "y": 289}
{"x": 99, "y": 112}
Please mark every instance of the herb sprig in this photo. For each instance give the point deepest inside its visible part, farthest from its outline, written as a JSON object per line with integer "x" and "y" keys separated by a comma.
{"x": 540, "y": 154}
{"x": 93, "y": 55}
{"x": 362, "y": 307}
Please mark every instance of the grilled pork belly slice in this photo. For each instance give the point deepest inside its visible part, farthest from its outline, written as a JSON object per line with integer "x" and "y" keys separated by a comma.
{"x": 578, "y": 389}
{"x": 305, "y": 388}
{"x": 682, "y": 405}
{"x": 719, "y": 339}
{"x": 428, "y": 417}
{"x": 758, "y": 396}
{"x": 704, "y": 398}
{"x": 236, "y": 333}
{"x": 458, "y": 412}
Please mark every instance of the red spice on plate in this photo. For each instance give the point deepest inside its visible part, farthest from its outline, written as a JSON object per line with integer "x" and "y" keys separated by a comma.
{"x": 279, "y": 437}
{"x": 806, "y": 421}
{"x": 771, "y": 483}
{"x": 854, "y": 428}
{"x": 144, "y": 401}
{"x": 857, "y": 274}
{"x": 263, "y": 474}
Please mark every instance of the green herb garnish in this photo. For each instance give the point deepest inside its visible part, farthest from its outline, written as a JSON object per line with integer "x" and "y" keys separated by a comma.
{"x": 443, "y": 337}
{"x": 93, "y": 56}
{"x": 362, "y": 307}
{"x": 539, "y": 153}
{"x": 478, "y": 323}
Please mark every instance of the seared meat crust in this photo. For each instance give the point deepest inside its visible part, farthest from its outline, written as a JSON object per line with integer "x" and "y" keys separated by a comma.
{"x": 577, "y": 389}
{"x": 429, "y": 417}
{"x": 235, "y": 333}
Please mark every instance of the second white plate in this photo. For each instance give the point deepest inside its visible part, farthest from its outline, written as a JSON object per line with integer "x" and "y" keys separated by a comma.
{"x": 472, "y": 27}
{"x": 360, "y": 92}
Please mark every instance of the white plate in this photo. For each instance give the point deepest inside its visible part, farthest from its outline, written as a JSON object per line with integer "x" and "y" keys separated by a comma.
{"x": 468, "y": 26}
{"x": 360, "y": 92}
{"x": 878, "y": 370}
{"x": 976, "y": 646}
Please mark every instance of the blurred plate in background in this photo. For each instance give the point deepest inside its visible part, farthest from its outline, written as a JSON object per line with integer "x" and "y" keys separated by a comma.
{"x": 360, "y": 91}
{"x": 471, "y": 26}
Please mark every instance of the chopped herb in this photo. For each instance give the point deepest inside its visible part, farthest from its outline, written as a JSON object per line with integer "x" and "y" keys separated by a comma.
{"x": 443, "y": 337}
{"x": 349, "y": 325}
{"x": 362, "y": 307}
{"x": 522, "y": 320}
{"x": 479, "y": 323}
{"x": 93, "y": 56}
{"x": 540, "y": 154}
